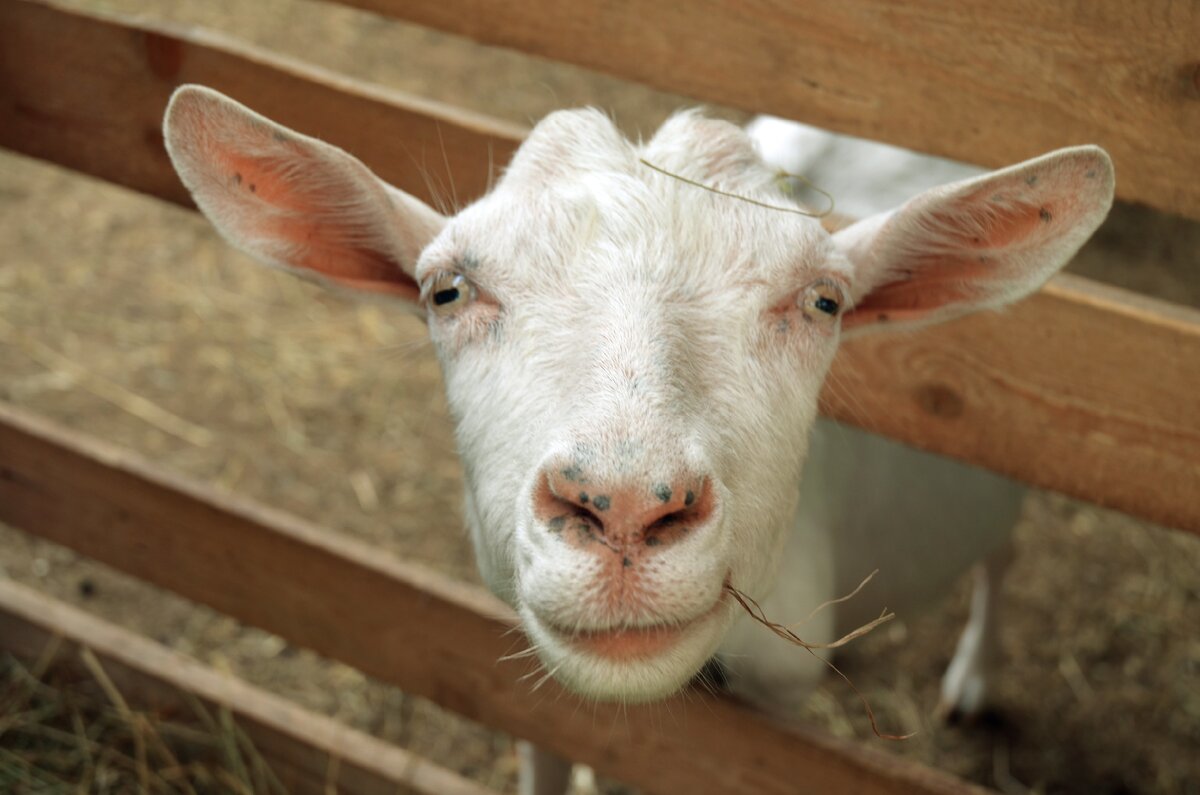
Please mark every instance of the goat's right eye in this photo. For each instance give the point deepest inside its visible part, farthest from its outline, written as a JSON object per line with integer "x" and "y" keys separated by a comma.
{"x": 449, "y": 292}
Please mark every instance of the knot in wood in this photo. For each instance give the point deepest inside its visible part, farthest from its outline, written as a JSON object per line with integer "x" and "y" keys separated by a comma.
{"x": 940, "y": 401}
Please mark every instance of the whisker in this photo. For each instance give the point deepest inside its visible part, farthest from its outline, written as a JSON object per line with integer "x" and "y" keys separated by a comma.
{"x": 399, "y": 350}
{"x": 545, "y": 678}
{"x": 449, "y": 174}
{"x": 850, "y": 399}
{"x": 435, "y": 191}
{"x": 520, "y": 655}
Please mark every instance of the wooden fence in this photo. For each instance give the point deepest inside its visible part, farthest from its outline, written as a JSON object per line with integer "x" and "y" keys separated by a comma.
{"x": 1085, "y": 389}
{"x": 309, "y": 754}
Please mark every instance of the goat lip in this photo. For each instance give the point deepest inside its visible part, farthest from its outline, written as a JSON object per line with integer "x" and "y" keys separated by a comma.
{"x": 635, "y": 643}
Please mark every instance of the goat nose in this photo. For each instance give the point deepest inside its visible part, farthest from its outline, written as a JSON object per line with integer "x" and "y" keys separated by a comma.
{"x": 621, "y": 513}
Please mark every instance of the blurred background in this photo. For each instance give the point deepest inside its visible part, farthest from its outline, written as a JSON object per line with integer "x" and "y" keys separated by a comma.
{"x": 129, "y": 319}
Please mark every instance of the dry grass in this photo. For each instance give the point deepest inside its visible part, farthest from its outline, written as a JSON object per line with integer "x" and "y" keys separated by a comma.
{"x": 62, "y": 733}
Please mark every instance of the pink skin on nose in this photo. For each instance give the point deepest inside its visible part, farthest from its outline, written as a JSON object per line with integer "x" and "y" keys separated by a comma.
{"x": 622, "y": 521}
{"x": 623, "y": 524}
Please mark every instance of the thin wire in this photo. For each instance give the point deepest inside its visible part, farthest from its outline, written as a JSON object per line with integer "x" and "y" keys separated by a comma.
{"x": 747, "y": 199}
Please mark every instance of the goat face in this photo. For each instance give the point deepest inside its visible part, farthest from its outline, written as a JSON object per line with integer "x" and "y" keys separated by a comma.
{"x": 633, "y": 344}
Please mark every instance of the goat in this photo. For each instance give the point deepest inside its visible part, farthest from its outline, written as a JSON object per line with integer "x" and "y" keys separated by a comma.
{"x": 633, "y": 364}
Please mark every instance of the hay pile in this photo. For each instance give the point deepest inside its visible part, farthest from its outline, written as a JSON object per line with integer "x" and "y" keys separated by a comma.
{"x": 65, "y": 733}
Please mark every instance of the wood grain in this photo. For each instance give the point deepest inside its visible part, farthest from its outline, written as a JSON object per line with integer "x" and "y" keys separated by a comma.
{"x": 1086, "y": 390}
{"x": 403, "y": 624}
{"x": 88, "y": 93}
{"x": 988, "y": 83}
{"x": 309, "y": 753}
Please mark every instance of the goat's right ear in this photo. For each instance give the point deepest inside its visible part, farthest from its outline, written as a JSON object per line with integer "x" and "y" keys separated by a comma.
{"x": 295, "y": 202}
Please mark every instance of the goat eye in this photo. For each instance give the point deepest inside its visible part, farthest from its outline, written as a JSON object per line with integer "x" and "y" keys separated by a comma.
{"x": 449, "y": 292}
{"x": 822, "y": 301}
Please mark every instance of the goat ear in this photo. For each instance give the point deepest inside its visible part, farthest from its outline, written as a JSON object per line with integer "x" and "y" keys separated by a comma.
{"x": 976, "y": 244}
{"x": 295, "y": 202}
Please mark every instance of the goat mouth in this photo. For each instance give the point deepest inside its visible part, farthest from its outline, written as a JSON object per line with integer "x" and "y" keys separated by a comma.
{"x": 628, "y": 644}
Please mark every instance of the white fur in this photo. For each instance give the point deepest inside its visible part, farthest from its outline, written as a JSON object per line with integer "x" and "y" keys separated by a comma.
{"x": 638, "y": 330}
{"x": 946, "y": 515}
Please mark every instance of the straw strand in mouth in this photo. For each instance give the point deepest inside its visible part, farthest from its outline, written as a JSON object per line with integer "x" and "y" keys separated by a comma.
{"x": 755, "y": 611}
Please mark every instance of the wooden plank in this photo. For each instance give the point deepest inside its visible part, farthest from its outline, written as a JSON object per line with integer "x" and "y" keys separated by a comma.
{"x": 989, "y": 83}
{"x": 1080, "y": 389}
{"x": 403, "y": 624}
{"x": 1085, "y": 389}
{"x": 89, "y": 92}
{"x": 311, "y": 754}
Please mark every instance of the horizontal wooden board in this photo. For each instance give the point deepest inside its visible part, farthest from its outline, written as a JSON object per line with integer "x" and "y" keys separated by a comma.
{"x": 989, "y": 83}
{"x": 1085, "y": 389}
{"x": 1082, "y": 389}
{"x": 309, "y": 753}
{"x": 403, "y": 624}
{"x": 89, "y": 92}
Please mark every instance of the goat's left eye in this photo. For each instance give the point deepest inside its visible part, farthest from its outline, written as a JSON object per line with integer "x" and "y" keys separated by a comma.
{"x": 822, "y": 301}
{"x": 449, "y": 292}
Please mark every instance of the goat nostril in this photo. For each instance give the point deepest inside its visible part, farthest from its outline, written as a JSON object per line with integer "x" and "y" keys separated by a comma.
{"x": 555, "y": 510}
{"x": 665, "y": 523}
{"x": 696, "y": 509}
{"x": 617, "y": 513}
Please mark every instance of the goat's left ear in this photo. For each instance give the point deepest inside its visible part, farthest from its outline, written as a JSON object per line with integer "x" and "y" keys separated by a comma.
{"x": 976, "y": 244}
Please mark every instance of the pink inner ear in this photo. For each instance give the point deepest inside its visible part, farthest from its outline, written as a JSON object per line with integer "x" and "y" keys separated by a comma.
{"x": 974, "y": 244}
{"x": 319, "y": 222}
{"x": 992, "y": 218}
{"x": 904, "y": 301}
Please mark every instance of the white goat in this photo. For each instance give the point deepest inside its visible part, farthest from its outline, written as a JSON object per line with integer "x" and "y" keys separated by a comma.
{"x": 633, "y": 365}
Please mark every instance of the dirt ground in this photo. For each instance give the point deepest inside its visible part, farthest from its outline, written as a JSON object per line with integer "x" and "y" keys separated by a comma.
{"x": 111, "y": 302}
